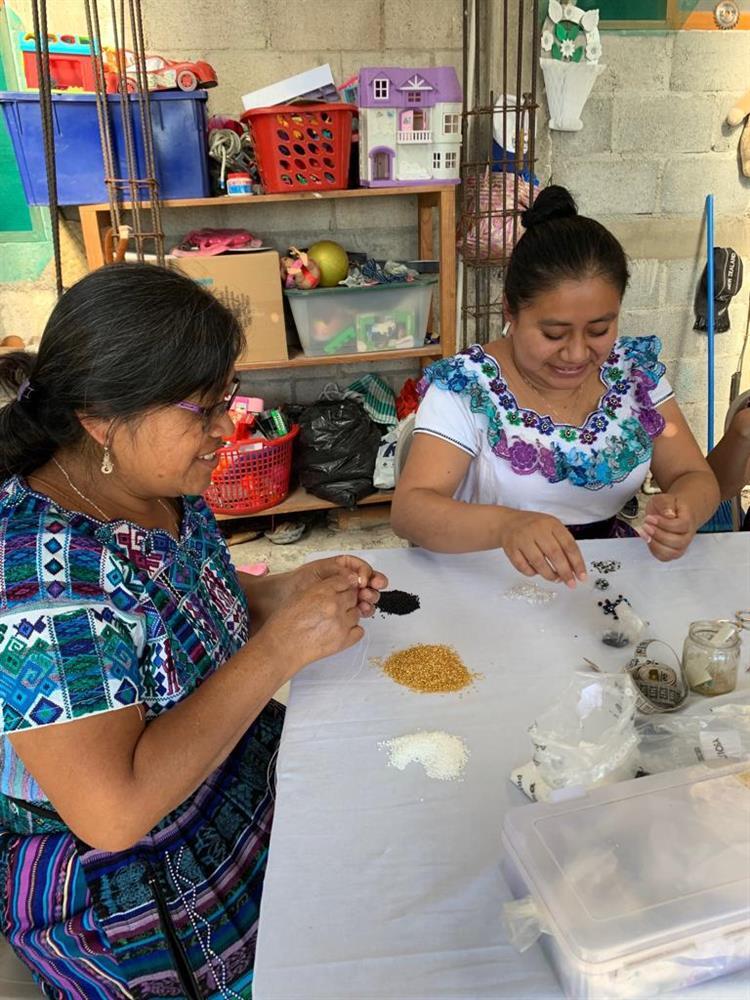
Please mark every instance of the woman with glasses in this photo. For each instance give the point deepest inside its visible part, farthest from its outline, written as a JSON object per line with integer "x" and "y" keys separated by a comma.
{"x": 137, "y": 667}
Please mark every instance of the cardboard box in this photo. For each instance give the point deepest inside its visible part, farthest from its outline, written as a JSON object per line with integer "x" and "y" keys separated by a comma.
{"x": 249, "y": 284}
{"x": 319, "y": 78}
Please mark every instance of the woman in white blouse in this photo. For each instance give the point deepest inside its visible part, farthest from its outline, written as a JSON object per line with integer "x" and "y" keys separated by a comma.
{"x": 537, "y": 439}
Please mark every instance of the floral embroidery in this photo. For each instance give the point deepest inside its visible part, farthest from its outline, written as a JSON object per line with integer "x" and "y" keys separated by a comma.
{"x": 622, "y": 427}
{"x": 545, "y": 426}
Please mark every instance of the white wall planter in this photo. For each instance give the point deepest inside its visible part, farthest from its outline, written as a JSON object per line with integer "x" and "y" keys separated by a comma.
{"x": 568, "y": 86}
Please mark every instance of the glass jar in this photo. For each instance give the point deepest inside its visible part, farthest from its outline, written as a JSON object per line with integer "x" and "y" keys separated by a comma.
{"x": 711, "y": 657}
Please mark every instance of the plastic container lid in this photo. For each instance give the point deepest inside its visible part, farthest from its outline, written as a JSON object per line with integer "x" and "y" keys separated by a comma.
{"x": 641, "y": 865}
{"x": 420, "y": 282}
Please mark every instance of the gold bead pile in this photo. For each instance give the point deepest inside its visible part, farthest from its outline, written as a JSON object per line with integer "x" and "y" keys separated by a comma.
{"x": 429, "y": 669}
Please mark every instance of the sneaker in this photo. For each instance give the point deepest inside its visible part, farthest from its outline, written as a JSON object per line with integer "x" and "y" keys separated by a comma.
{"x": 630, "y": 509}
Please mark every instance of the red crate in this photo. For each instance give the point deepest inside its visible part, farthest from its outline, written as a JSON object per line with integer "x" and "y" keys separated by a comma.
{"x": 252, "y": 475}
{"x": 302, "y": 147}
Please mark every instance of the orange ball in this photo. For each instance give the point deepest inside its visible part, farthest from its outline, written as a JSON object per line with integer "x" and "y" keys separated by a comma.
{"x": 12, "y": 341}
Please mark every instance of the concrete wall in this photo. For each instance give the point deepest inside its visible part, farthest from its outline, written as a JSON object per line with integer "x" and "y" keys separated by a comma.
{"x": 652, "y": 147}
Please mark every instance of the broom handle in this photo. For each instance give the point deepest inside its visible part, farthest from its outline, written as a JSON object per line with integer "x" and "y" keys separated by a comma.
{"x": 710, "y": 314}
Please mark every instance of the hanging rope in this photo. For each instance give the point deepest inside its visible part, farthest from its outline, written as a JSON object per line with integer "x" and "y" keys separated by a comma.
{"x": 39, "y": 13}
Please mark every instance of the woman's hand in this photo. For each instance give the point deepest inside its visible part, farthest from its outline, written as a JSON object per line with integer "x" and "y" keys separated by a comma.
{"x": 314, "y": 622}
{"x": 669, "y": 526}
{"x": 369, "y": 581}
{"x": 539, "y": 544}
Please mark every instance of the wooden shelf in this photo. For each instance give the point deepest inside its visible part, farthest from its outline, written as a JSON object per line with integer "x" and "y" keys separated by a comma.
{"x": 433, "y": 202}
{"x": 261, "y": 199}
{"x": 300, "y": 500}
{"x": 305, "y": 361}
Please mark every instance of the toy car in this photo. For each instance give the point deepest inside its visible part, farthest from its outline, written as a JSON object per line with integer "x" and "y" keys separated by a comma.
{"x": 161, "y": 73}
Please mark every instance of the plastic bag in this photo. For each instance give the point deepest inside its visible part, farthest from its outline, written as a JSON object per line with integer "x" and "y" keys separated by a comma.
{"x": 338, "y": 444}
{"x": 588, "y": 736}
{"x": 385, "y": 465}
{"x": 523, "y": 923}
{"x": 720, "y": 735}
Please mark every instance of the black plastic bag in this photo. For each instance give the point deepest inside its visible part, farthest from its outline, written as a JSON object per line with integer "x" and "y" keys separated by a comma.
{"x": 338, "y": 444}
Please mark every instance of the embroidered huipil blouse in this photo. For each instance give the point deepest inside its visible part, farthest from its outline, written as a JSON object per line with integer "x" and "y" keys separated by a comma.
{"x": 524, "y": 459}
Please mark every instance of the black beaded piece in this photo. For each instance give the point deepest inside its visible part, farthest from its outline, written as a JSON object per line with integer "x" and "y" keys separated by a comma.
{"x": 601, "y": 584}
{"x": 610, "y": 607}
{"x": 606, "y": 566}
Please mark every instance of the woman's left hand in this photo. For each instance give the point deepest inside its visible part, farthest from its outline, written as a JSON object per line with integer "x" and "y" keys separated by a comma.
{"x": 669, "y": 526}
{"x": 371, "y": 582}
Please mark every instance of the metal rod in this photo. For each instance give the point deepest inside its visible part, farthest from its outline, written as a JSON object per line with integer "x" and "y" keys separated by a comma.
{"x": 39, "y": 13}
{"x": 710, "y": 320}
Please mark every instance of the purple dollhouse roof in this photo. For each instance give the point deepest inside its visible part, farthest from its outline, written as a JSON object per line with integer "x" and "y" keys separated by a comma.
{"x": 438, "y": 84}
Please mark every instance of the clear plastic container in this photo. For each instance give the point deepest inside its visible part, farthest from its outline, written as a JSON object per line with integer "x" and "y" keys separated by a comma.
{"x": 641, "y": 887}
{"x": 387, "y": 317}
{"x": 711, "y": 657}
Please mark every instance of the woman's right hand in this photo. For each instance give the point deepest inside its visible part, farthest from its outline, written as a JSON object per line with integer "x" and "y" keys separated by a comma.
{"x": 315, "y": 622}
{"x": 539, "y": 544}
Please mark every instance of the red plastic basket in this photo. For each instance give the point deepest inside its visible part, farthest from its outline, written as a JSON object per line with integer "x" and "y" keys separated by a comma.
{"x": 251, "y": 476}
{"x": 302, "y": 147}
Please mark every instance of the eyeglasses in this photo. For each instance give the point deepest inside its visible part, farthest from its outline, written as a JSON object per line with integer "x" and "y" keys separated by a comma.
{"x": 212, "y": 413}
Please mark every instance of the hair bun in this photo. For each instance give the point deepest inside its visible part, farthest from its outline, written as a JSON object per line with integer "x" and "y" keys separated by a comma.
{"x": 554, "y": 202}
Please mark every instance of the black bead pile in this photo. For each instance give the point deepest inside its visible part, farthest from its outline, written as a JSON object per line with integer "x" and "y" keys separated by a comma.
{"x": 397, "y": 602}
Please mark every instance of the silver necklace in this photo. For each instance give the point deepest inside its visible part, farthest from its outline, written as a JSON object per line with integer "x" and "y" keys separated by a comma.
{"x": 91, "y": 503}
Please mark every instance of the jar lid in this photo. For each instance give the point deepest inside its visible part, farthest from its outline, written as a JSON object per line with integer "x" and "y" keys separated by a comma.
{"x": 240, "y": 175}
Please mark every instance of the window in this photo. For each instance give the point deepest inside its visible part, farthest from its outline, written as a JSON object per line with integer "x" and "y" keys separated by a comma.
{"x": 451, "y": 124}
{"x": 654, "y": 14}
{"x": 436, "y": 161}
{"x": 451, "y": 160}
{"x": 414, "y": 97}
{"x": 382, "y": 88}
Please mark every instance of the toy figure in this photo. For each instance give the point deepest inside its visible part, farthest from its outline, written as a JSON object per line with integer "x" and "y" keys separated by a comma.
{"x": 298, "y": 270}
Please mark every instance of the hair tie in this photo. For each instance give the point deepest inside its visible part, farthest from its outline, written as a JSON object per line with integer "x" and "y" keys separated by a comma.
{"x": 25, "y": 391}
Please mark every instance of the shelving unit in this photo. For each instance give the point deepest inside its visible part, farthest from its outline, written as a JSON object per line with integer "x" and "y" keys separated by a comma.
{"x": 300, "y": 500}
{"x": 433, "y": 242}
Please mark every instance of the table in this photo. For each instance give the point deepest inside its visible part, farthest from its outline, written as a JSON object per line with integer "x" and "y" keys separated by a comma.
{"x": 386, "y": 884}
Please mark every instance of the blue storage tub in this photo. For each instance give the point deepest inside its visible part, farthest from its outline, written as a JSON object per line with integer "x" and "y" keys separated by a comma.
{"x": 180, "y": 145}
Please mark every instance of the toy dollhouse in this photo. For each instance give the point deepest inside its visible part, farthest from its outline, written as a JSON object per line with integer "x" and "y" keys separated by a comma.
{"x": 409, "y": 126}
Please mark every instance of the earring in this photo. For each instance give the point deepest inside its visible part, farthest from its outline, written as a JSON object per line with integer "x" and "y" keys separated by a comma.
{"x": 506, "y": 328}
{"x": 107, "y": 464}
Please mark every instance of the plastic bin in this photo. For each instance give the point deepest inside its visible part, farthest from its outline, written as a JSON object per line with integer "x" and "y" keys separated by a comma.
{"x": 643, "y": 886}
{"x": 179, "y": 128}
{"x": 302, "y": 147}
{"x": 361, "y": 320}
{"x": 252, "y": 475}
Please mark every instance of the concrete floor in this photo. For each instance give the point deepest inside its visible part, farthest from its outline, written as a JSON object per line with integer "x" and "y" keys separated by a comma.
{"x": 319, "y": 538}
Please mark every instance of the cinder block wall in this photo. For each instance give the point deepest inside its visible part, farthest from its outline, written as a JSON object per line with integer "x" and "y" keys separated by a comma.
{"x": 652, "y": 147}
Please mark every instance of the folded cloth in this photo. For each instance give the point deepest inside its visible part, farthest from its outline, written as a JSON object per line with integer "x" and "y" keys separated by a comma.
{"x": 377, "y": 398}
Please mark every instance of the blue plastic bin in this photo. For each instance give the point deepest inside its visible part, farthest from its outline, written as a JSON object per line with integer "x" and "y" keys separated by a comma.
{"x": 180, "y": 147}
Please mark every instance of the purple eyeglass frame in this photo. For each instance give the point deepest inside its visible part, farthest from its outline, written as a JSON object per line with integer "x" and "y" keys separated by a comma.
{"x": 209, "y": 413}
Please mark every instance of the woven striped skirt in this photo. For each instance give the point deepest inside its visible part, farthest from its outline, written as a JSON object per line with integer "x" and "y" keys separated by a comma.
{"x": 174, "y": 916}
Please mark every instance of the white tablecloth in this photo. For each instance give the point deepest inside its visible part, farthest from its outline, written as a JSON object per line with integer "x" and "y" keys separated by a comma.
{"x": 386, "y": 884}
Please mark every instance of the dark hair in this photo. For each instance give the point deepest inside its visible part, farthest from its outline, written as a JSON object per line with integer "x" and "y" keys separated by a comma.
{"x": 124, "y": 339}
{"x": 561, "y": 245}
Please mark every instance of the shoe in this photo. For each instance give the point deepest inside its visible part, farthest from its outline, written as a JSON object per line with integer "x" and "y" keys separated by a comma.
{"x": 286, "y": 533}
{"x": 255, "y": 569}
{"x": 630, "y": 509}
